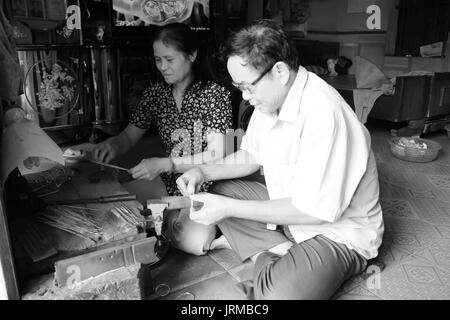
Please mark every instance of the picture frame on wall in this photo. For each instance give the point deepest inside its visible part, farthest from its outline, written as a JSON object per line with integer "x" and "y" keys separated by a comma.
{"x": 36, "y": 9}
{"x": 55, "y": 9}
{"x": 19, "y": 8}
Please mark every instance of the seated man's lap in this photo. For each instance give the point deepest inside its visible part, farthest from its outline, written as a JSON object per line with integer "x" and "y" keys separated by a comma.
{"x": 246, "y": 237}
{"x": 196, "y": 238}
{"x": 313, "y": 269}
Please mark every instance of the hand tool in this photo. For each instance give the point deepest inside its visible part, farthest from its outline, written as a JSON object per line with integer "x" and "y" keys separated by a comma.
{"x": 176, "y": 203}
{"x": 108, "y": 165}
{"x": 157, "y": 210}
{"x": 113, "y": 198}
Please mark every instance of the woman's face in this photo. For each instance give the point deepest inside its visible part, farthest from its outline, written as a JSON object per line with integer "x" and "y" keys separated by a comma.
{"x": 175, "y": 66}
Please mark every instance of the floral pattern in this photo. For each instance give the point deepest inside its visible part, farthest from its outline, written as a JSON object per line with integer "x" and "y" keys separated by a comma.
{"x": 56, "y": 88}
{"x": 206, "y": 107}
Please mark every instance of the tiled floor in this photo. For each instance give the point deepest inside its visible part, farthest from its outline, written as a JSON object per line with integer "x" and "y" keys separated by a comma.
{"x": 415, "y": 255}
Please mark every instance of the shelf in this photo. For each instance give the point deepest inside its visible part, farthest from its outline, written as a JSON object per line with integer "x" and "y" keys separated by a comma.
{"x": 30, "y": 47}
{"x": 66, "y": 127}
{"x": 41, "y": 24}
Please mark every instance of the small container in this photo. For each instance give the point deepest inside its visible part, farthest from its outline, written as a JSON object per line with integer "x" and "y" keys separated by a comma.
{"x": 447, "y": 127}
{"x": 415, "y": 154}
{"x": 72, "y": 157}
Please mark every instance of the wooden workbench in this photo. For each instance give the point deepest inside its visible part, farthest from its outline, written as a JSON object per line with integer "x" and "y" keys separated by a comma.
{"x": 115, "y": 230}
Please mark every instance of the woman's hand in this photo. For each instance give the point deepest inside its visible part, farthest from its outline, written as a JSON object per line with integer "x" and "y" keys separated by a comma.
{"x": 190, "y": 182}
{"x": 149, "y": 169}
{"x": 215, "y": 208}
{"x": 105, "y": 151}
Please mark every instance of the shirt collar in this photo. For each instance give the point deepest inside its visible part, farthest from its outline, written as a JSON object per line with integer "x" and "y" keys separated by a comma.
{"x": 290, "y": 109}
{"x": 194, "y": 87}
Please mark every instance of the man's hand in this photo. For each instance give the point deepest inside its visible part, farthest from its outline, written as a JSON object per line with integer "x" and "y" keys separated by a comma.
{"x": 215, "y": 208}
{"x": 190, "y": 182}
{"x": 149, "y": 169}
{"x": 104, "y": 151}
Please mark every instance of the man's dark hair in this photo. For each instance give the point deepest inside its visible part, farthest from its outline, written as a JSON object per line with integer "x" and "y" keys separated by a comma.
{"x": 262, "y": 44}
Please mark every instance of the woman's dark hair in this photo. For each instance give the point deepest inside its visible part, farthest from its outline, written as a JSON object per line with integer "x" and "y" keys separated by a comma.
{"x": 181, "y": 37}
{"x": 262, "y": 44}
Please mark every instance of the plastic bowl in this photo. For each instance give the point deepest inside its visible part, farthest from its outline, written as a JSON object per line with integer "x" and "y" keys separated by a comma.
{"x": 414, "y": 154}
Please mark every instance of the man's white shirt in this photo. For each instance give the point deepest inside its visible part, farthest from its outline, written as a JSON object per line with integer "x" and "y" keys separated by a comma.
{"x": 316, "y": 152}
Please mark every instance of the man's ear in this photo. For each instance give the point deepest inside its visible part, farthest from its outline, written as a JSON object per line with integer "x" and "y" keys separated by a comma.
{"x": 282, "y": 72}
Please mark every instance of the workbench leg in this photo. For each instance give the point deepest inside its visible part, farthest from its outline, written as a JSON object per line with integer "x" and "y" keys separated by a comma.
{"x": 146, "y": 282}
{"x": 414, "y": 128}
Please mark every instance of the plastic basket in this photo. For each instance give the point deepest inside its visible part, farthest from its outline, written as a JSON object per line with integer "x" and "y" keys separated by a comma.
{"x": 415, "y": 154}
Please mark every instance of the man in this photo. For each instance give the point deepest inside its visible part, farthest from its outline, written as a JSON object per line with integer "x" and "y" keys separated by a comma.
{"x": 321, "y": 219}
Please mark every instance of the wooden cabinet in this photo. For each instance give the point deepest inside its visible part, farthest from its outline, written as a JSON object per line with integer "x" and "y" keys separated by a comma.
{"x": 109, "y": 80}
{"x": 422, "y": 101}
{"x": 421, "y": 22}
{"x": 312, "y": 52}
{"x": 409, "y": 102}
{"x": 424, "y": 98}
{"x": 439, "y": 95}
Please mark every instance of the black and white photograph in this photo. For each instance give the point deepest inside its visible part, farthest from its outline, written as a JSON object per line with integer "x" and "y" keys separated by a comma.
{"x": 36, "y": 9}
{"x": 237, "y": 154}
{"x": 195, "y": 13}
{"x": 19, "y": 8}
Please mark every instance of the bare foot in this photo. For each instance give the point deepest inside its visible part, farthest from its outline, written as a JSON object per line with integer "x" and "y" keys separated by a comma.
{"x": 220, "y": 243}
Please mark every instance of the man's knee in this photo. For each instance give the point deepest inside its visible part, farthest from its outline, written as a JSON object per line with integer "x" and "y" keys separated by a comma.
{"x": 192, "y": 237}
{"x": 266, "y": 287}
{"x": 274, "y": 282}
{"x": 241, "y": 189}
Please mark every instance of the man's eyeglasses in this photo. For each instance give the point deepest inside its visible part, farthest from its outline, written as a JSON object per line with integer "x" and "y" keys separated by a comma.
{"x": 248, "y": 87}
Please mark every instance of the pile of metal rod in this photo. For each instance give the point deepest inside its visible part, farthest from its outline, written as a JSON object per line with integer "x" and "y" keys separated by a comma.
{"x": 73, "y": 220}
{"x": 128, "y": 215}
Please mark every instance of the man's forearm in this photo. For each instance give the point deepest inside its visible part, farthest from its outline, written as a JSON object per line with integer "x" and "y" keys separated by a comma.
{"x": 216, "y": 172}
{"x": 280, "y": 212}
{"x": 236, "y": 165}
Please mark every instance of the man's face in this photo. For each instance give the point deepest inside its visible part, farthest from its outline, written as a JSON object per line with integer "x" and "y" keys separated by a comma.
{"x": 267, "y": 95}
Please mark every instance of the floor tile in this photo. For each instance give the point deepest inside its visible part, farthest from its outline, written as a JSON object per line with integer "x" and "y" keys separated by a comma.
{"x": 411, "y": 280}
{"x": 358, "y": 293}
{"x": 221, "y": 287}
{"x": 243, "y": 272}
{"x": 227, "y": 258}
{"x": 180, "y": 270}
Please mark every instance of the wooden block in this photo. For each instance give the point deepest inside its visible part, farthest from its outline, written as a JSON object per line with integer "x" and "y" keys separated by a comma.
{"x": 121, "y": 284}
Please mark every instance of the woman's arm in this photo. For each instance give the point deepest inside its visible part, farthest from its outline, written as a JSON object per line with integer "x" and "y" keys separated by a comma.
{"x": 219, "y": 120}
{"x": 216, "y": 150}
{"x": 118, "y": 145}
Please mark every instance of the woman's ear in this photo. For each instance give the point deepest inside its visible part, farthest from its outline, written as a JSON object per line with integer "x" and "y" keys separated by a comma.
{"x": 282, "y": 72}
{"x": 193, "y": 56}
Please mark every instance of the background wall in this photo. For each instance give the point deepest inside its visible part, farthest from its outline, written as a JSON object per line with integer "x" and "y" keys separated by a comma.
{"x": 346, "y": 15}
{"x": 346, "y": 22}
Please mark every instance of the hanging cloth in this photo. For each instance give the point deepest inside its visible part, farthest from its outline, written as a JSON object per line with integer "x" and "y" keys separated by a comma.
{"x": 10, "y": 74}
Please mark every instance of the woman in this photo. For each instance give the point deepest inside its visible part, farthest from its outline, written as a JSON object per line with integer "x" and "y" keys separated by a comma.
{"x": 192, "y": 114}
